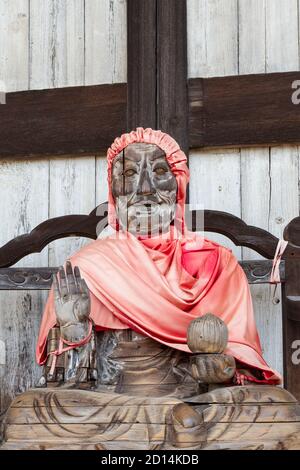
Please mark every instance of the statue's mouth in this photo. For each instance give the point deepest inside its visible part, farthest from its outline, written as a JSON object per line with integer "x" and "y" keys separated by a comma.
{"x": 146, "y": 202}
{"x": 146, "y": 205}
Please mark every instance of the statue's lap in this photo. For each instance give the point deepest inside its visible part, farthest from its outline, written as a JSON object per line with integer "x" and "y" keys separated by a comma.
{"x": 151, "y": 403}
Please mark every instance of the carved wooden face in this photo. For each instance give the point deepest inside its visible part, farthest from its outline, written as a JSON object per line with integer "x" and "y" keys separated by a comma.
{"x": 144, "y": 189}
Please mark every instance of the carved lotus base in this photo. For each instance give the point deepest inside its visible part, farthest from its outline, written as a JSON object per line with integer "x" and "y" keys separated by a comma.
{"x": 241, "y": 417}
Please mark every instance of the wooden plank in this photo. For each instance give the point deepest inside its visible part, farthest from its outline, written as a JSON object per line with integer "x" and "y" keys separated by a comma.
{"x": 62, "y": 121}
{"x": 229, "y": 111}
{"x": 62, "y": 444}
{"x": 172, "y": 113}
{"x": 214, "y": 413}
{"x": 282, "y": 36}
{"x": 252, "y": 36}
{"x": 212, "y": 38}
{"x": 105, "y": 42}
{"x": 242, "y": 111}
{"x": 77, "y": 432}
{"x": 220, "y": 432}
{"x": 215, "y": 183}
{"x": 14, "y": 60}
{"x": 141, "y": 63}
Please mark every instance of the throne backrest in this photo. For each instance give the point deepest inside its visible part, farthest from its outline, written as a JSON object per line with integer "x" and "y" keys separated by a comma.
{"x": 90, "y": 226}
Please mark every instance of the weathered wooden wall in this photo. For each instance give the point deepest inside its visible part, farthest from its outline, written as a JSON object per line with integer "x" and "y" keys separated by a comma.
{"x": 56, "y": 43}
{"x": 231, "y": 37}
{"x": 50, "y": 44}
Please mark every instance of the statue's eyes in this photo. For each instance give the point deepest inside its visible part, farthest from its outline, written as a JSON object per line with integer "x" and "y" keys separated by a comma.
{"x": 129, "y": 172}
{"x": 160, "y": 170}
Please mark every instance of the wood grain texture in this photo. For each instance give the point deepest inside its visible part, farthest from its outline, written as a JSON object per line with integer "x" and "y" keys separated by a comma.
{"x": 242, "y": 110}
{"x": 232, "y": 417}
{"x": 62, "y": 121}
{"x": 142, "y": 63}
{"x": 62, "y": 64}
{"x": 172, "y": 113}
{"x": 207, "y": 334}
{"x": 24, "y": 203}
{"x": 282, "y": 28}
{"x": 266, "y": 175}
{"x": 212, "y": 51}
{"x": 44, "y": 47}
{"x": 105, "y": 61}
{"x": 50, "y": 230}
{"x": 256, "y": 182}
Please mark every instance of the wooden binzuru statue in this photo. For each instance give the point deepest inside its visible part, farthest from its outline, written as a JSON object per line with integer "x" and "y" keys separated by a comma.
{"x": 148, "y": 338}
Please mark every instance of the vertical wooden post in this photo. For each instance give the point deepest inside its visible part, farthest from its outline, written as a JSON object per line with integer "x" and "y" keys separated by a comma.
{"x": 172, "y": 70}
{"x": 157, "y": 67}
{"x": 141, "y": 64}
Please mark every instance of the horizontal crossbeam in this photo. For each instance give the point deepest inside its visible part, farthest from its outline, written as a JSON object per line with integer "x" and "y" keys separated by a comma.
{"x": 62, "y": 121}
{"x": 233, "y": 111}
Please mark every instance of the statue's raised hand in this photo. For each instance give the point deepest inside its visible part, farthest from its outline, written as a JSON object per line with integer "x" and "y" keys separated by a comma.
{"x": 72, "y": 301}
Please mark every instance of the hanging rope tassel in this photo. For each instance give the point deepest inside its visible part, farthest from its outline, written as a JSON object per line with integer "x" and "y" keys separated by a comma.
{"x": 275, "y": 272}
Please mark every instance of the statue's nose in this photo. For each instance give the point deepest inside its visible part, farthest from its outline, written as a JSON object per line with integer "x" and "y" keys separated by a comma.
{"x": 145, "y": 185}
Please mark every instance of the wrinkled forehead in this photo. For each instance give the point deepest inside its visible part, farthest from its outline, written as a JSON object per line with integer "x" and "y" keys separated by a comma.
{"x": 139, "y": 151}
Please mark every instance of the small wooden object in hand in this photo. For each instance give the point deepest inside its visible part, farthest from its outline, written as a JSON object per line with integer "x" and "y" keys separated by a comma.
{"x": 207, "y": 338}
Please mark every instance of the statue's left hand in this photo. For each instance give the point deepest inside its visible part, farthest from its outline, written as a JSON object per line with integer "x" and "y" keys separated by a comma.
{"x": 71, "y": 297}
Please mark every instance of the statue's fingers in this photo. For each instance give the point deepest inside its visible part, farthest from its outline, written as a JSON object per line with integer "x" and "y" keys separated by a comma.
{"x": 71, "y": 278}
{"x": 63, "y": 284}
{"x": 77, "y": 274}
{"x": 84, "y": 287}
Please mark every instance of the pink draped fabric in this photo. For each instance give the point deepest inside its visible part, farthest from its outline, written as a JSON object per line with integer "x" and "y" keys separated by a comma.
{"x": 157, "y": 285}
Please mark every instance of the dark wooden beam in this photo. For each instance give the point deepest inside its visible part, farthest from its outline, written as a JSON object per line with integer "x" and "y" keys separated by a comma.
{"x": 172, "y": 70}
{"x": 223, "y": 112}
{"x": 62, "y": 121}
{"x": 244, "y": 110}
{"x": 157, "y": 67}
{"x": 141, "y": 64}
